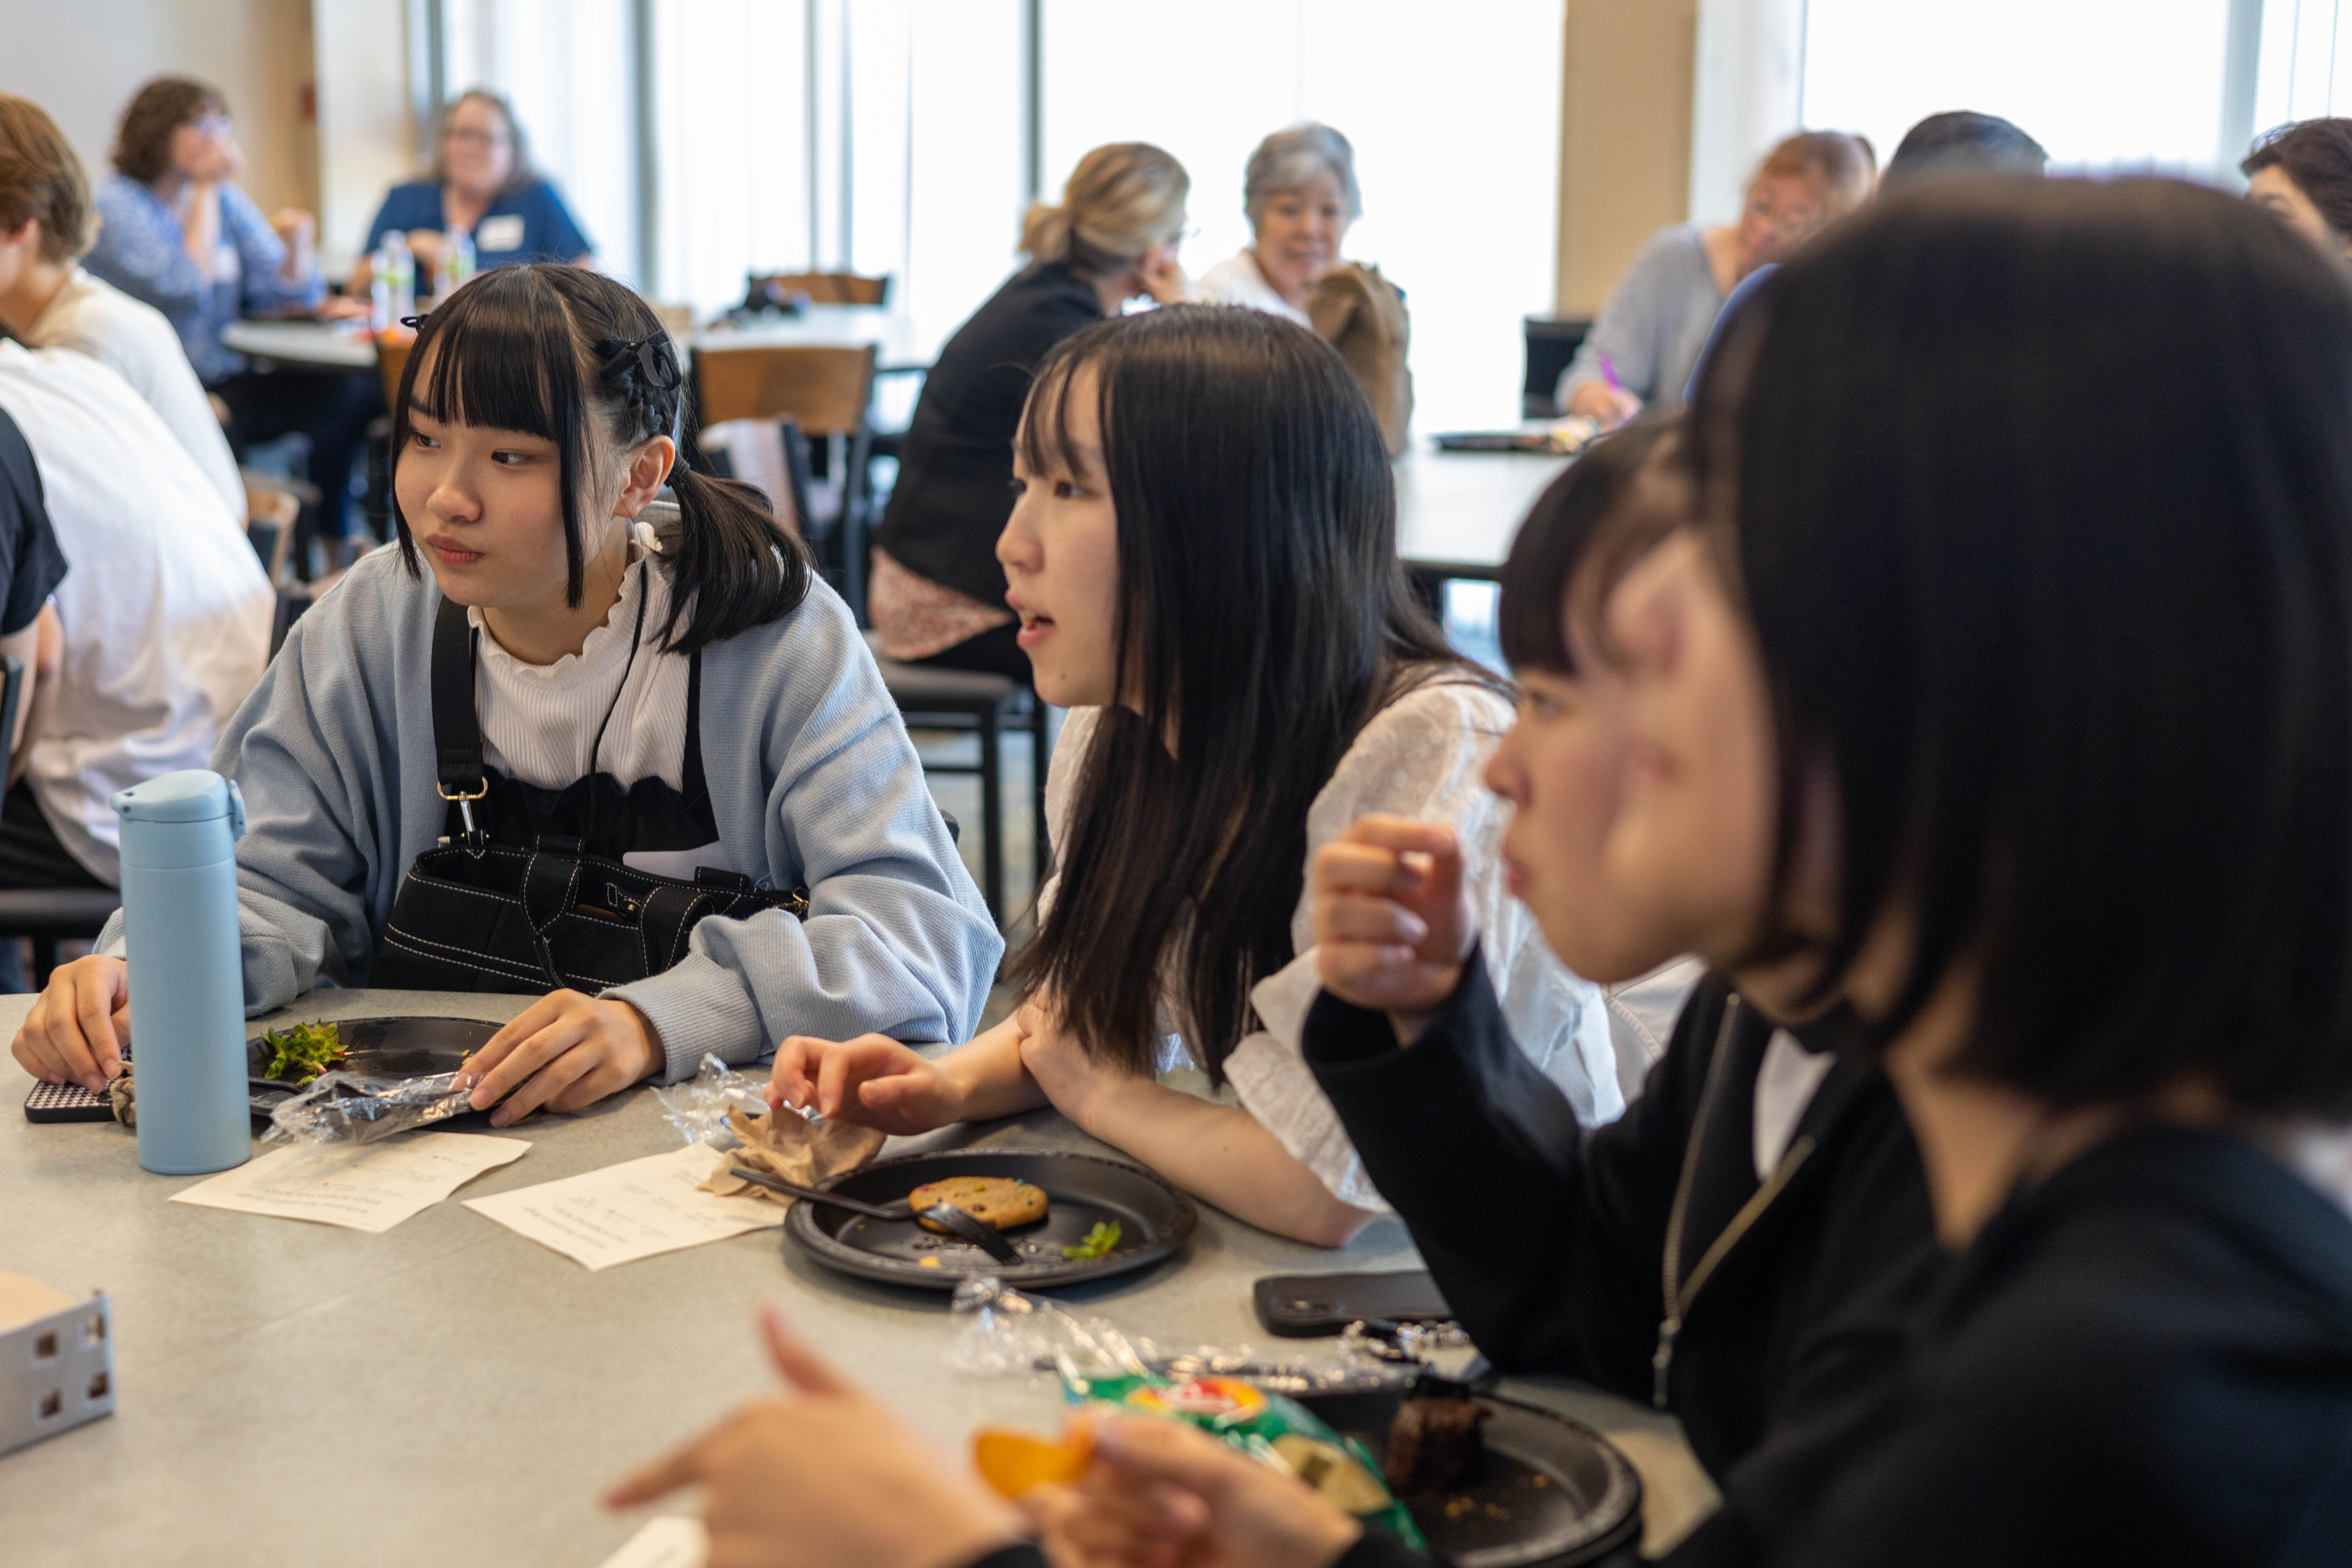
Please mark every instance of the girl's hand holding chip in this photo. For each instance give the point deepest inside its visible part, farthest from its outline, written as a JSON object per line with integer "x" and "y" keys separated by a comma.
{"x": 822, "y": 1474}
{"x": 1163, "y": 1493}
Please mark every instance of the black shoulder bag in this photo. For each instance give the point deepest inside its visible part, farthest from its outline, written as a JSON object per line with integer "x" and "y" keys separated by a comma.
{"x": 474, "y": 915}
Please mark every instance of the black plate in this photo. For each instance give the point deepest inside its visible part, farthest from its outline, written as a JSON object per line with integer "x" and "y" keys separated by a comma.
{"x": 1587, "y": 1502}
{"x": 385, "y": 1047}
{"x": 396, "y": 1047}
{"x": 1155, "y": 1220}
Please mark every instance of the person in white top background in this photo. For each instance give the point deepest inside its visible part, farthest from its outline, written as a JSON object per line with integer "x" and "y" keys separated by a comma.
{"x": 164, "y": 610}
{"x": 1300, "y": 194}
{"x": 50, "y": 301}
{"x": 1203, "y": 560}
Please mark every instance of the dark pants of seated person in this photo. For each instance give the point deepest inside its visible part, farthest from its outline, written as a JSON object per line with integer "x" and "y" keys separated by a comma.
{"x": 993, "y": 651}
{"x": 31, "y": 857}
{"x": 332, "y": 407}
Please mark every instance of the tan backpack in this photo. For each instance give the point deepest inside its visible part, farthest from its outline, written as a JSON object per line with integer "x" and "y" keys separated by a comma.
{"x": 1362, "y": 314}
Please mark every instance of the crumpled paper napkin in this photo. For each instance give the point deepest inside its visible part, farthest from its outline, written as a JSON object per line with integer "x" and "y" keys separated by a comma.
{"x": 788, "y": 1145}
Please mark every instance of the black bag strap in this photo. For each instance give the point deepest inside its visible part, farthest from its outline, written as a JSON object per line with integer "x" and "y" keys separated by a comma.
{"x": 690, "y": 779}
{"x": 459, "y": 775}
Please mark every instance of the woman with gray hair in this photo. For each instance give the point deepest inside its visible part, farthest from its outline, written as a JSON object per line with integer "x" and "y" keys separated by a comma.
{"x": 1300, "y": 194}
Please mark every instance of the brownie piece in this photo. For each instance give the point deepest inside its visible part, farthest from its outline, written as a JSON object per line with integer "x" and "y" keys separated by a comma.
{"x": 1433, "y": 1445}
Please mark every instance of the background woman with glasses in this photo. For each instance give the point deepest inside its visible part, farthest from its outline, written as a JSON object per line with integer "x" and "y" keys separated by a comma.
{"x": 175, "y": 230}
{"x": 1656, "y": 322}
{"x": 481, "y": 184}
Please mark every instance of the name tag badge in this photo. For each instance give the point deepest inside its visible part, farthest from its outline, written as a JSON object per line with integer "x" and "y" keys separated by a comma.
{"x": 501, "y": 233}
{"x": 228, "y": 266}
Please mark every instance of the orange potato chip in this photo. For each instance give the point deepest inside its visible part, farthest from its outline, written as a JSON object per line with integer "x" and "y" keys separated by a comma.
{"x": 1015, "y": 1463}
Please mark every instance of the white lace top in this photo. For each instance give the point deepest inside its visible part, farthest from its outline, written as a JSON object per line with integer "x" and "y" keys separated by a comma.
{"x": 539, "y": 720}
{"x": 1422, "y": 757}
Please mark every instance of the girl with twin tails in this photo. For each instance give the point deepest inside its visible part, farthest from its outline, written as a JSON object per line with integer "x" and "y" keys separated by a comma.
{"x": 572, "y": 738}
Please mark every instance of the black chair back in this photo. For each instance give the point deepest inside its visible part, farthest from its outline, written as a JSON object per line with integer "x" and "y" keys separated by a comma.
{"x": 1552, "y": 343}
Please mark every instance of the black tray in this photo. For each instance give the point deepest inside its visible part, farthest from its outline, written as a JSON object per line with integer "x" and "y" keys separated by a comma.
{"x": 383, "y": 1047}
{"x": 1155, "y": 1220}
{"x": 1587, "y": 1504}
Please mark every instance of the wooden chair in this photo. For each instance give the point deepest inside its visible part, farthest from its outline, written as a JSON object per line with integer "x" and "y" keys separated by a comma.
{"x": 270, "y": 516}
{"x": 822, "y": 287}
{"x": 391, "y": 359}
{"x": 824, "y": 392}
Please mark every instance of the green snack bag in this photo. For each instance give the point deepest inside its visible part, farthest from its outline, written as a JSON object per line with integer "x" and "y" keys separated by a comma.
{"x": 1269, "y": 1427}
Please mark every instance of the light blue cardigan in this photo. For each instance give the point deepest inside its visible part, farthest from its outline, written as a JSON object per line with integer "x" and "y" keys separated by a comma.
{"x": 812, "y": 781}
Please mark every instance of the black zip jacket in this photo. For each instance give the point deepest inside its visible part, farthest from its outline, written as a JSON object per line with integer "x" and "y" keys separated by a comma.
{"x": 1554, "y": 1246}
{"x": 2144, "y": 1359}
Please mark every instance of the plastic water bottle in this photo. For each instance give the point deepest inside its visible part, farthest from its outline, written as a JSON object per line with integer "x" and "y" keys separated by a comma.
{"x": 456, "y": 264}
{"x": 380, "y": 316}
{"x": 187, "y": 980}
{"x": 396, "y": 279}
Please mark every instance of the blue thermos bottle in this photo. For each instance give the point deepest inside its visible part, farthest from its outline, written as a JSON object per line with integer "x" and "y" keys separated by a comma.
{"x": 187, "y": 981}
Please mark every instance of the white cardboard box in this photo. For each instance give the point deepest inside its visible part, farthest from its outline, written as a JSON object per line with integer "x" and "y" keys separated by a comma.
{"x": 56, "y": 1361}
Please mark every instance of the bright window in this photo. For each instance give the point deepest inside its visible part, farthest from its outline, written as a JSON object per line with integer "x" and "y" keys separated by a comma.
{"x": 2103, "y": 86}
{"x": 565, "y": 66}
{"x": 1455, "y": 127}
{"x": 2306, "y": 62}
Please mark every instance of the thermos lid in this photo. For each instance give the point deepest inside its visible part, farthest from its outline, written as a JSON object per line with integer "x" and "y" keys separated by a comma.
{"x": 192, "y": 794}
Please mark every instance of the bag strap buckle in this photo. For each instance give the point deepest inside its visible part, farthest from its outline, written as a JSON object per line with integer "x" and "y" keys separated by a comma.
{"x": 473, "y": 841}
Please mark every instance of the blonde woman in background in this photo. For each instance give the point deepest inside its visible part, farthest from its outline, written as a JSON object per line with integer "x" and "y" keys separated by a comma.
{"x": 1650, "y": 331}
{"x": 937, "y": 594}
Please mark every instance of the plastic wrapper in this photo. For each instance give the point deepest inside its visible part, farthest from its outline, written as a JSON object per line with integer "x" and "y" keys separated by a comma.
{"x": 358, "y": 1108}
{"x": 1226, "y": 1393}
{"x": 697, "y": 1108}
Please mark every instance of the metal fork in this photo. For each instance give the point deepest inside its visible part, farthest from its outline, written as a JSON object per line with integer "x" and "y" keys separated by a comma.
{"x": 980, "y": 1233}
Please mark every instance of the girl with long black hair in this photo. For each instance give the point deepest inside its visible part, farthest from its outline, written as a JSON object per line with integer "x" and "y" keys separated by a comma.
{"x": 629, "y": 755}
{"x": 1203, "y": 560}
{"x": 2004, "y": 696}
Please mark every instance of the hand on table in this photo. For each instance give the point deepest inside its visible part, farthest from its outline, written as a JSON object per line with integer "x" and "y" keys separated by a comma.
{"x": 1612, "y": 405}
{"x": 1392, "y": 920}
{"x": 1160, "y": 1493}
{"x": 822, "y": 1474}
{"x": 78, "y": 1026}
{"x": 564, "y": 1051}
{"x": 343, "y": 308}
{"x": 870, "y": 1081}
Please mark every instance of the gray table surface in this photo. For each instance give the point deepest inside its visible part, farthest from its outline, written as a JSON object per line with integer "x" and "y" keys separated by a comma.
{"x": 450, "y": 1392}
{"x": 321, "y": 345}
{"x": 1457, "y": 511}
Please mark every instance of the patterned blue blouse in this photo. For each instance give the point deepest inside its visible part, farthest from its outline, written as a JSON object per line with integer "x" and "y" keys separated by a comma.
{"x": 140, "y": 251}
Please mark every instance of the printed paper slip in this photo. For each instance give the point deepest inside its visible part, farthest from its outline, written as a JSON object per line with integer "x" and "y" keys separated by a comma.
{"x": 372, "y": 1187}
{"x": 629, "y": 1210}
{"x": 673, "y": 1541}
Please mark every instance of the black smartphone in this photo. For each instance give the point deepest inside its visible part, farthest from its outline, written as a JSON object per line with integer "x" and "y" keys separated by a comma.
{"x": 1302, "y": 1304}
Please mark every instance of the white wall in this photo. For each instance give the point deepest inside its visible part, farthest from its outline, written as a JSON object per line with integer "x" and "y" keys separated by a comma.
{"x": 1747, "y": 92}
{"x": 82, "y": 59}
{"x": 366, "y": 135}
